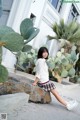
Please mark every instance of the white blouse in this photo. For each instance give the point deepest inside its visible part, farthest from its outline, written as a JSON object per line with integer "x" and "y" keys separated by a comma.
{"x": 42, "y": 70}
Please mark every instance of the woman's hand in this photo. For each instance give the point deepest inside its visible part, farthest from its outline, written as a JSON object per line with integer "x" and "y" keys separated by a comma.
{"x": 34, "y": 84}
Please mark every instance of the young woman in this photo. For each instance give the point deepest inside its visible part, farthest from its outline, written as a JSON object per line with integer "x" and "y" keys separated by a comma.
{"x": 42, "y": 78}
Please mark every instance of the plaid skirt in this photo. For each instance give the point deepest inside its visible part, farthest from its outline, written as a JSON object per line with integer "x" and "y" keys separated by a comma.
{"x": 48, "y": 86}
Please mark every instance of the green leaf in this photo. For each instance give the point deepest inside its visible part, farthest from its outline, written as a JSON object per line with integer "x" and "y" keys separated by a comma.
{"x": 72, "y": 72}
{"x": 5, "y": 30}
{"x": 73, "y": 26}
{"x": 31, "y": 34}
{"x": 3, "y": 74}
{"x": 22, "y": 56}
{"x": 26, "y": 48}
{"x": 78, "y": 79}
{"x": 70, "y": 32}
{"x": 73, "y": 56}
{"x": 64, "y": 73}
{"x": 68, "y": 67}
{"x": 76, "y": 36}
{"x": 51, "y": 65}
{"x": 65, "y": 62}
{"x": 52, "y": 37}
{"x": 14, "y": 41}
{"x": 25, "y": 25}
{"x": 62, "y": 23}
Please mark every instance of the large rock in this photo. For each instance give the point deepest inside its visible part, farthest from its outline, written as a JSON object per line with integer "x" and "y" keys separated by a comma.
{"x": 17, "y": 83}
{"x": 38, "y": 95}
{"x": 14, "y": 86}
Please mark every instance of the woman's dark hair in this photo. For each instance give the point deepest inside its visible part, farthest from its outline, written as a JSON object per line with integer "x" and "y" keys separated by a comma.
{"x": 41, "y": 51}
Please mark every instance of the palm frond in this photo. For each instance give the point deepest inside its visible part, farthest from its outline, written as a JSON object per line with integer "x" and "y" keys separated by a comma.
{"x": 70, "y": 32}
{"x": 50, "y": 37}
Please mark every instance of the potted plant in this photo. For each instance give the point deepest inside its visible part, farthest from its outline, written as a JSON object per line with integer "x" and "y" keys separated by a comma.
{"x": 68, "y": 36}
{"x": 66, "y": 33}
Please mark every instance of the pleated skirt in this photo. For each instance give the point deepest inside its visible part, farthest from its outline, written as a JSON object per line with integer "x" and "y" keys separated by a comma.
{"x": 48, "y": 86}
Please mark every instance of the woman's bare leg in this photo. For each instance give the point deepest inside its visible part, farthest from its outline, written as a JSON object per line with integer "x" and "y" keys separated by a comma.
{"x": 58, "y": 97}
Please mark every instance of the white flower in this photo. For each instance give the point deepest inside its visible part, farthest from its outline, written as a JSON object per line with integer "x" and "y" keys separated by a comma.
{"x": 29, "y": 56}
{"x": 32, "y": 50}
{"x": 59, "y": 54}
{"x": 62, "y": 50}
{"x": 49, "y": 59}
{"x": 62, "y": 42}
{"x": 63, "y": 57}
{"x": 74, "y": 48}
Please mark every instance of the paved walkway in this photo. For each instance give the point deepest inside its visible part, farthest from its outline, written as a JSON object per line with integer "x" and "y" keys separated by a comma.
{"x": 32, "y": 111}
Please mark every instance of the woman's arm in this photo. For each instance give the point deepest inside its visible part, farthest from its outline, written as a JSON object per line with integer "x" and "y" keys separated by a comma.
{"x": 36, "y": 81}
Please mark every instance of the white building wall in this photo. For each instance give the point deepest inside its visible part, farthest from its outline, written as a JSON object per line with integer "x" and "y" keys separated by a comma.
{"x": 44, "y": 19}
{"x": 19, "y": 11}
{"x": 78, "y": 19}
{"x": 37, "y": 8}
{"x": 65, "y": 11}
{"x": 45, "y": 14}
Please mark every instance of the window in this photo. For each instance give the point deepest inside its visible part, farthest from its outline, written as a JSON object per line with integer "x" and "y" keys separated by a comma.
{"x": 57, "y": 4}
{"x": 54, "y": 2}
{"x": 5, "y": 7}
{"x": 73, "y": 14}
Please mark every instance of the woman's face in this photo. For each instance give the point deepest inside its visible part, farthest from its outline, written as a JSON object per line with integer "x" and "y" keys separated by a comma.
{"x": 45, "y": 54}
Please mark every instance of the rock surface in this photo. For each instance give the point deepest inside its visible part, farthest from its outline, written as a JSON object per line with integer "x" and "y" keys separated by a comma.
{"x": 38, "y": 95}
{"x": 17, "y": 83}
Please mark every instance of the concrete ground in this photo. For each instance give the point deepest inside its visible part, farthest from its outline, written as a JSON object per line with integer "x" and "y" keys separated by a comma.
{"x": 17, "y": 107}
